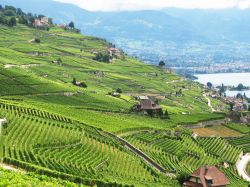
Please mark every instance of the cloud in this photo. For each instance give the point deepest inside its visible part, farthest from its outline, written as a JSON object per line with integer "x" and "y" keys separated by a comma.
{"x": 118, "y": 5}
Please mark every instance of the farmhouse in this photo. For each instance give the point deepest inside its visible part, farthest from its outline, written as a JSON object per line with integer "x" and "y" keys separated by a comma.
{"x": 42, "y": 22}
{"x": 207, "y": 177}
{"x": 114, "y": 51}
{"x": 148, "y": 105}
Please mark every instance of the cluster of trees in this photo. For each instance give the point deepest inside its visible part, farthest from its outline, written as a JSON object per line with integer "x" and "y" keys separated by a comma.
{"x": 103, "y": 57}
{"x": 10, "y": 16}
{"x": 160, "y": 113}
{"x": 162, "y": 63}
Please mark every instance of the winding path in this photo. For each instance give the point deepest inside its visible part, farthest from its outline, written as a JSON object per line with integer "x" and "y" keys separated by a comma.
{"x": 241, "y": 166}
{"x": 209, "y": 103}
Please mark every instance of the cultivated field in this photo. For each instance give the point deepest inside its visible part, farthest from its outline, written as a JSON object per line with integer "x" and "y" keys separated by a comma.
{"x": 217, "y": 131}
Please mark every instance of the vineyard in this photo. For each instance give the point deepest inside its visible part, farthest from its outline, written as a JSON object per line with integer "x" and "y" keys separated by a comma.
{"x": 182, "y": 154}
{"x": 242, "y": 142}
{"x": 50, "y": 144}
{"x": 62, "y": 134}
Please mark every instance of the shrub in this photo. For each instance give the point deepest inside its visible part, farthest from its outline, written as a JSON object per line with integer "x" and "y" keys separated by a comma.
{"x": 119, "y": 90}
{"x": 37, "y": 40}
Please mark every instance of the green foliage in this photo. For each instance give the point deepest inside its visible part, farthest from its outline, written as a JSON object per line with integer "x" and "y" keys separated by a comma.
{"x": 37, "y": 40}
{"x": 209, "y": 85}
{"x": 102, "y": 57}
{"x": 240, "y": 87}
{"x": 9, "y": 178}
{"x": 10, "y": 15}
{"x": 72, "y": 25}
{"x": 119, "y": 90}
{"x": 162, "y": 63}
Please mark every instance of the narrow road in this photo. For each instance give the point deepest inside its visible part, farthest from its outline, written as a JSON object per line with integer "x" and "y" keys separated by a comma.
{"x": 241, "y": 166}
{"x": 209, "y": 103}
{"x": 143, "y": 156}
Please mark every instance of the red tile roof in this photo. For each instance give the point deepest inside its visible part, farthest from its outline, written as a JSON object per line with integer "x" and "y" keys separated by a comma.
{"x": 211, "y": 173}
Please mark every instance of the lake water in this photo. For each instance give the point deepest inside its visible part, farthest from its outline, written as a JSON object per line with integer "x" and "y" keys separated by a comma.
{"x": 228, "y": 79}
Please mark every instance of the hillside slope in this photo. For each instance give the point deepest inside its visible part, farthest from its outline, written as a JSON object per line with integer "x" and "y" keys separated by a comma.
{"x": 61, "y": 130}
{"x": 35, "y": 79}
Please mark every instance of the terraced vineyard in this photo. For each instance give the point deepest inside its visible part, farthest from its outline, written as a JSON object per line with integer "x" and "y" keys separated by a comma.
{"x": 62, "y": 134}
{"x": 182, "y": 154}
{"x": 50, "y": 144}
{"x": 242, "y": 142}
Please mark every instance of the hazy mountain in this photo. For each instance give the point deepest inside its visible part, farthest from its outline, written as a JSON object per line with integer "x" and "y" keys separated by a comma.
{"x": 178, "y": 35}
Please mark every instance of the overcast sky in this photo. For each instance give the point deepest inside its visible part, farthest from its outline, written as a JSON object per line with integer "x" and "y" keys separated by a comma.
{"x": 117, "y": 5}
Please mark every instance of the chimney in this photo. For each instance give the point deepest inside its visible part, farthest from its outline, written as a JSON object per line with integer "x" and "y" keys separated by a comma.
{"x": 206, "y": 170}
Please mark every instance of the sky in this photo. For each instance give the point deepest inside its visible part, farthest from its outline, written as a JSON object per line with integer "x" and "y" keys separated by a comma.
{"x": 120, "y": 5}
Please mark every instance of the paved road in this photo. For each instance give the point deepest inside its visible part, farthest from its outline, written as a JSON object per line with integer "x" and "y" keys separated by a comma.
{"x": 241, "y": 166}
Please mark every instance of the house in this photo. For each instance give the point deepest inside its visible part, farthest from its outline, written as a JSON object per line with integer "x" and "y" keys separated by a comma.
{"x": 42, "y": 22}
{"x": 45, "y": 20}
{"x": 146, "y": 105}
{"x": 208, "y": 176}
{"x": 114, "y": 51}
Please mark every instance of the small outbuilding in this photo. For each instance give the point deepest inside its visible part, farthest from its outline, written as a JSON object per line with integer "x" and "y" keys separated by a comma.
{"x": 2, "y": 123}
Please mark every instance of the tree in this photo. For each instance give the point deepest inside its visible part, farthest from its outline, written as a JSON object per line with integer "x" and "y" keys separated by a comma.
{"x": 209, "y": 85}
{"x": 162, "y": 63}
{"x": 239, "y": 96}
{"x": 1, "y": 7}
{"x": 41, "y": 16}
{"x": 240, "y": 87}
{"x": 37, "y": 40}
{"x": 102, "y": 57}
{"x": 119, "y": 90}
{"x": 2, "y": 20}
{"x": 74, "y": 81}
{"x": 12, "y": 22}
{"x": 166, "y": 114}
{"x": 150, "y": 113}
{"x": 161, "y": 113}
{"x": 231, "y": 106}
{"x": 83, "y": 84}
{"x": 222, "y": 89}
{"x": 59, "y": 60}
{"x": 9, "y": 13}
{"x": 19, "y": 12}
{"x": 23, "y": 20}
{"x": 72, "y": 25}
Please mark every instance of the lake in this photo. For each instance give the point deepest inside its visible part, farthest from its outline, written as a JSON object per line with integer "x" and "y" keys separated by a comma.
{"x": 228, "y": 79}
